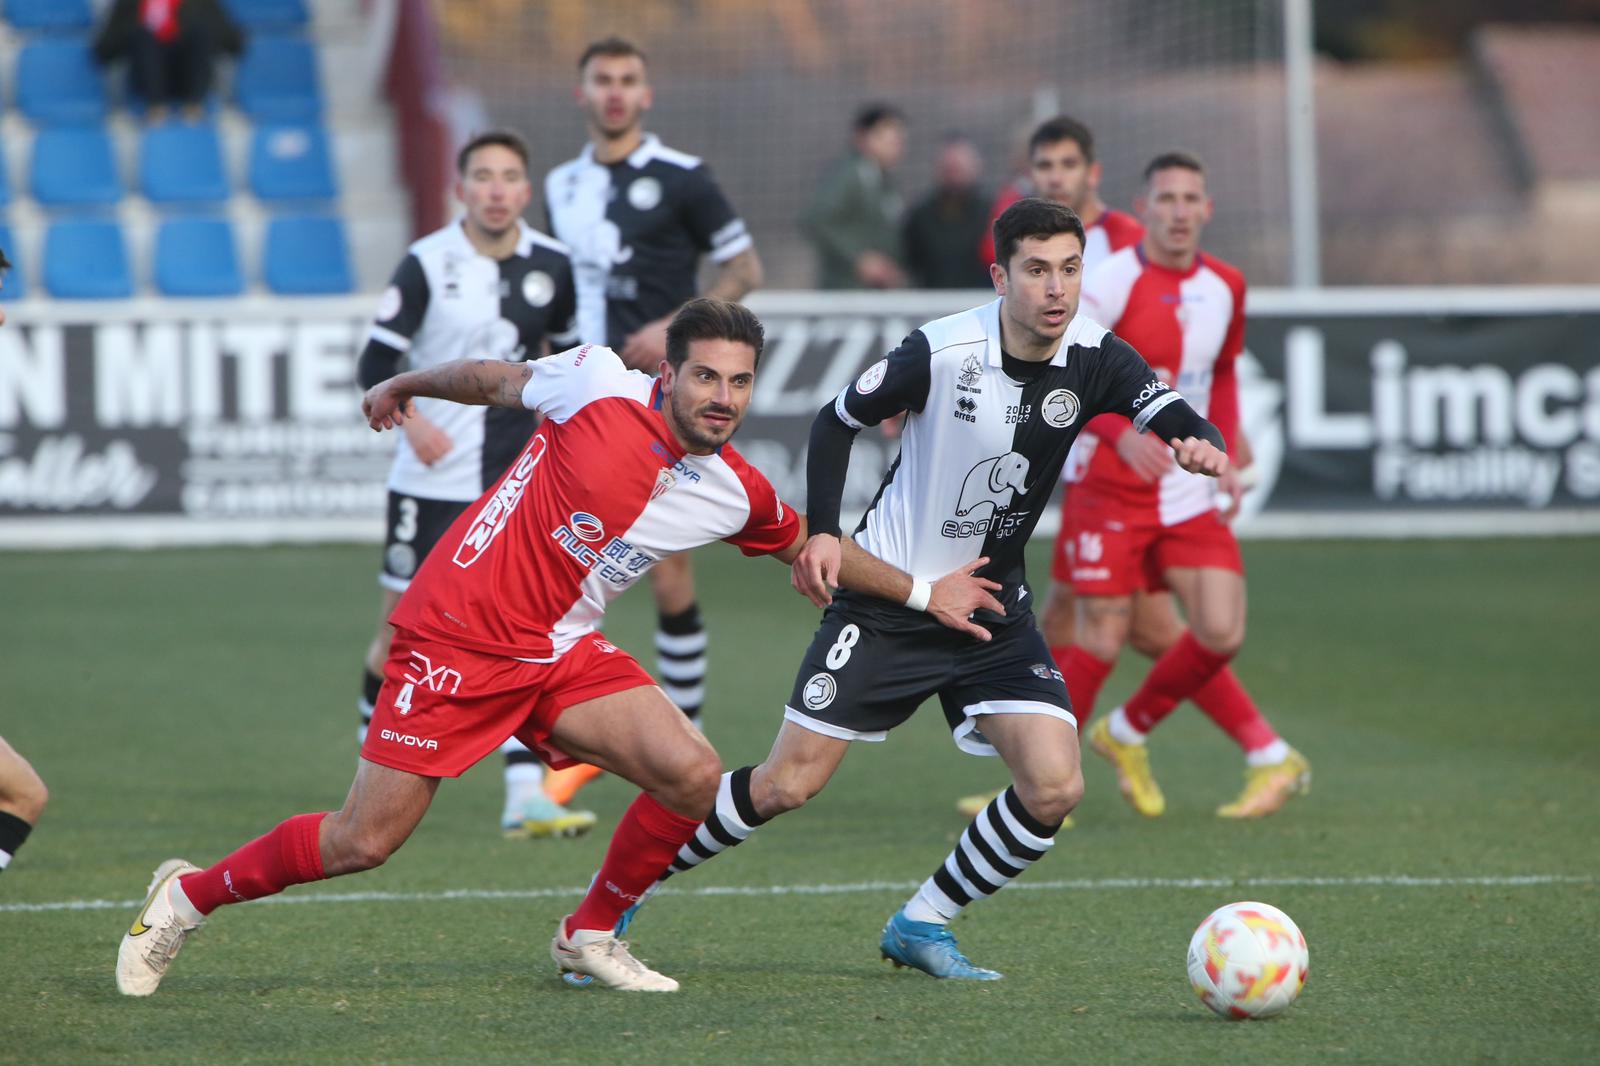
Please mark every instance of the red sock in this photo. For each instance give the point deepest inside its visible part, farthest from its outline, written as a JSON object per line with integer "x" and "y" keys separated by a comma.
{"x": 1084, "y": 674}
{"x": 1182, "y": 670}
{"x": 1226, "y": 703}
{"x": 645, "y": 843}
{"x": 289, "y": 855}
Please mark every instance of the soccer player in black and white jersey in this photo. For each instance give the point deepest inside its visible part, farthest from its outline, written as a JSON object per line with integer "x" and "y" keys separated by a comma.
{"x": 639, "y": 217}
{"x": 486, "y": 286}
{"x": 996, "y": 397}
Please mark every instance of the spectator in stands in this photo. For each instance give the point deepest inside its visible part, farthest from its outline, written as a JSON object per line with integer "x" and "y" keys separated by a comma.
{"x": 854, "y": 218}
{"x": 171, "y": 47}
{"x": 1020, "y": 184}
{"x": 944, "y": 230}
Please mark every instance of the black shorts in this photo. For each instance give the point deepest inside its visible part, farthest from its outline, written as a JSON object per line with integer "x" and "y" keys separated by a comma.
{"x": 414, "y": 527}
{"x": 868, "y": 670}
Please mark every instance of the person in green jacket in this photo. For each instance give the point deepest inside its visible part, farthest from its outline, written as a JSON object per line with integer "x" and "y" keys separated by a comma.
{"x": 854, "y": 220}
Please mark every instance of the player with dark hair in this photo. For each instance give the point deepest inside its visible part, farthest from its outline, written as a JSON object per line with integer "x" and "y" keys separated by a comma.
{"x": 1124, "y": 532}
{"x": 996, "y": 394}
{"x": 487, "y": 285}
{"x": 639, "y": 217}
{"x": 498, "y": 633}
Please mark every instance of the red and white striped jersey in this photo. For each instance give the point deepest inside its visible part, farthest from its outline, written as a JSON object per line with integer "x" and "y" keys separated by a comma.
{"x": 1110, "y": 233}
{"x": 601, "y": 493}
{"x": 1189, "y": 326}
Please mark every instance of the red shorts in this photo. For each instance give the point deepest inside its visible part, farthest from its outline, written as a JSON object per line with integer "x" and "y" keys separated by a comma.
{"x": 1106, "y": 549}
{"x": 443, "y": 707}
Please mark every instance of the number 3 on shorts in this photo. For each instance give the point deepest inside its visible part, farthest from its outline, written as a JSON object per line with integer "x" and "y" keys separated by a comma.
{"x": 839, "y": 654}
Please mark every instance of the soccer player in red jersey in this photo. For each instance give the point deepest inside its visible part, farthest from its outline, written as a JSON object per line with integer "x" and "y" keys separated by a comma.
{"x": 1125, "y": 530}
{"x": 497, "y": 635}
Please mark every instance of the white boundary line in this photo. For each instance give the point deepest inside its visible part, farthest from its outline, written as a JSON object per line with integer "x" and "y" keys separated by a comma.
{"x": 858, "y": 887}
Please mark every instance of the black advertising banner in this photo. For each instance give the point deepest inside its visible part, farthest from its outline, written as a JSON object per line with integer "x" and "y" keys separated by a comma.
{"x": 216, "y": 416}
{"x": 1418, "y": 410}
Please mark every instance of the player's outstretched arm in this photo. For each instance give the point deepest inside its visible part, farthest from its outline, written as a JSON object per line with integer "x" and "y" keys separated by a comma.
{"x": 482, "y": 382}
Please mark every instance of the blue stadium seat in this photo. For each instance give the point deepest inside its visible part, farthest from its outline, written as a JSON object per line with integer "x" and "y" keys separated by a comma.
{"x": 57, "y": 81}
{"x": 277, "y": 79}
{"x": 197, "y": 257}
{"x": 49, "y": 14}
{"x": 86, "y": 259}
{"x": 5, "y": 177}
{"x": 306, "y": 255}
{"x": 261, "y": 14}
{"x": 73, "y": 166}
{"x": 291, "y": 162}
{"x": 182, "y": 164}
{"x": 15, "y": 287}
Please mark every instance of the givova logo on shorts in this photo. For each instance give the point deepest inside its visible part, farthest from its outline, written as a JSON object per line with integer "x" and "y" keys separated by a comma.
{"x": 497, "y": 512}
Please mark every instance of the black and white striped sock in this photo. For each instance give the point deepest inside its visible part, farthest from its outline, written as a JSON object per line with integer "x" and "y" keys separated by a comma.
{"x": 731, "y": 822}
{"x": 1001, "y": 842}
{"x": 13, "y": 831}
{"x": 681, "y": 659}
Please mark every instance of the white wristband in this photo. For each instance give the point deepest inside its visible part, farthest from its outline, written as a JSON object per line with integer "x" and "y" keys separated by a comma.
{"x": 921, "y": 593}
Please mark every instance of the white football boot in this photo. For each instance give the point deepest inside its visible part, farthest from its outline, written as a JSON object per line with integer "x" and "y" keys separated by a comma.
{"x": 599, "y": 954}
{"x": 150, "y": 945}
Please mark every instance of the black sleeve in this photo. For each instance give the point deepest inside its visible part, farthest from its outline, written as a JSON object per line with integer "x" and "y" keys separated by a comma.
{"x": 401, "y": 309}
{"x": 1125, "y": 385}
{"x": 897, "y": 383}
{"x": 563, "y": 319}
{"x": 827, "y": 463}
{"x": 1177, "y": 419}
{"x": 711, "y": 220}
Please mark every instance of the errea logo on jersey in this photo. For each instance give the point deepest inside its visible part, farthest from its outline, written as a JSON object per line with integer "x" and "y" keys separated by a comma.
{"x": 497, "y": 512}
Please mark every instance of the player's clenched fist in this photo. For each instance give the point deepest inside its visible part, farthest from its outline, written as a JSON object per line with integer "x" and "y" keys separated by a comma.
{"x": 386, "y": 406}
{"x": 1199, "y": 456}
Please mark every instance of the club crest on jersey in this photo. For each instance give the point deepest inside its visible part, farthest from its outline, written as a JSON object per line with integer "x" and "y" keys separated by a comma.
{"x": 538, "y": 288}
{"x": 819, "y": 691}
{"x": 1060, "y": 408}
{"x": 644, "y": 193}
{"x": 872, "y": 377}
{"x": 664, "y": 482}
{"x": 971, "y": 373}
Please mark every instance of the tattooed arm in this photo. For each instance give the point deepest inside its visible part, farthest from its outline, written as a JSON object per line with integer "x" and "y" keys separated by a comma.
{"x": 482, "y": 382}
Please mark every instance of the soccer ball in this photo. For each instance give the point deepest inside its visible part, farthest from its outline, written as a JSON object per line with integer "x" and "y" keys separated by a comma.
{"x": 1248, "y": 960}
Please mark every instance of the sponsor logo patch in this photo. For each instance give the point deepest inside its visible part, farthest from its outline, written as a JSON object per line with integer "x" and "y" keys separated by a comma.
{"x": 872, "y": 377}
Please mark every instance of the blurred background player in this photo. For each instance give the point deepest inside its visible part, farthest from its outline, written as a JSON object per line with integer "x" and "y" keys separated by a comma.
{"x": 487, "y": 286}
{"x": 638, "y": 217}
{"x": 22, "y": 791}
{"x": 854, "y": 219}
{"x": 1124, "y": 531}
{"x": 943, "y": 230}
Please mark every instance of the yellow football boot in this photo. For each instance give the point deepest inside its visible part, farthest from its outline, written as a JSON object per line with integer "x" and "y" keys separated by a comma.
{"x": 1132, "y": 764}
{"x": 1266, "y": 788}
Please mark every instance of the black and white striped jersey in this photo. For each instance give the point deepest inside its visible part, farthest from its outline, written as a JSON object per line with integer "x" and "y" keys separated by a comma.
{"x": 449, "y": 301}
{"x": 637, "y": 229}
{"x": 986, "y": 437}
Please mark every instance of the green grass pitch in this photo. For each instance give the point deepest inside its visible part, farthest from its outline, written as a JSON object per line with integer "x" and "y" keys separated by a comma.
{"x": 182, "y": 702}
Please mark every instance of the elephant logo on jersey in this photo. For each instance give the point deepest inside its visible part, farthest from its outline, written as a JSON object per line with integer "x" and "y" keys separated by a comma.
{"x": 819, "y": 691}
{"x": 994, "y": 482}
{"x": 644, "y": 193}
{"x": 606, "y": 245}
{"x": 1060, "y": 408}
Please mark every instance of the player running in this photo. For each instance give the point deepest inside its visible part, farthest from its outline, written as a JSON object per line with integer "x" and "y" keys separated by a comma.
{"x": 485, "y": 286}
{"x": 497, "y": 634}
{"x": 1125, "y": 531}
{"x": 997, "y": 395}
{"x": 639, "y": 216}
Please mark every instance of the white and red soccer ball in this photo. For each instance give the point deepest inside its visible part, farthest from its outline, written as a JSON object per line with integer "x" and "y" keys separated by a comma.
{"x": 1248, "y": 960}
